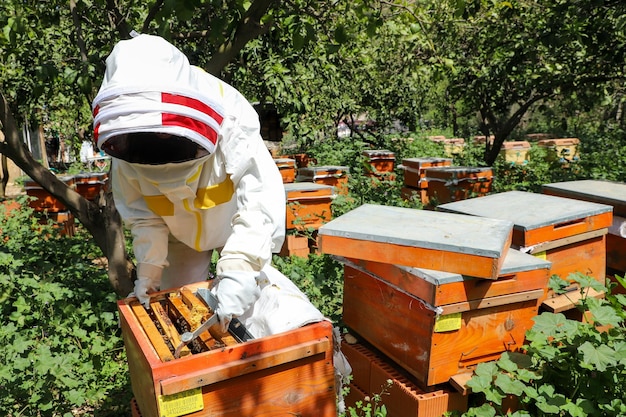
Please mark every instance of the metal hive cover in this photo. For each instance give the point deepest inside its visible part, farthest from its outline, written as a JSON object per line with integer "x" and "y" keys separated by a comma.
{"x": 525, "y": 209}
{"x": 423, "y": 229}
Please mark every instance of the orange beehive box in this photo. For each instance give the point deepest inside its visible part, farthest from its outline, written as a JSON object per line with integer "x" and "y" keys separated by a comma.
{"x": 89, "y": 184}
{"x": 515, "y": 152}
{"x": 380, "y": 160}
{"x": 419, "y": 238}
{"x": 43, "y": 199}
{"x": 520, "y": 272}
{"x": 415, "y": 169}
{"x": 446, "y": 184}
{"x": 569, "y": 233}
{"x": 290, "y": 373}
{"x": 603, "y": 192}
{"x": 287, "y": 168}
{"x": 334, "y": 175}
{"x": 308, "y": 205}
{"x": 562, "y": 149}
{"x": 452, "y": 146}
{"x": 434, "y": 343}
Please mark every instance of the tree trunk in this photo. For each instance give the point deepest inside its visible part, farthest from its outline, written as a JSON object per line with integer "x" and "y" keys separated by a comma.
{"x": 101, "y": 219}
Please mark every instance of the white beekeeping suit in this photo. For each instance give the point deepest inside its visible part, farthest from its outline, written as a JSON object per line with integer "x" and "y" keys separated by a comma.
{"x": 224, "y": 193}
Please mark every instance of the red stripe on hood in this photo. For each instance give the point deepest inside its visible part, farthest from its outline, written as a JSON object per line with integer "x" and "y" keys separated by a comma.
{"x": 170, "y": 119}
{"x": 192, "y": 103}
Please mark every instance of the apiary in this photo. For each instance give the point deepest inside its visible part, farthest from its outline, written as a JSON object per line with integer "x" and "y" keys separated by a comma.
{"x": 222, "y": 374}
{"x": 602, "y": 192}
{"x": 568, "y": 233}
{"x": 287, "y": 168}
{"x": 44, "y": 201}
{"x": 333, "y": 175}
{"x": 381, "y": 161}
{"x": 426, "y": 239}
{"x": 436, "y": 324}
{"x": 308, "y": 205}
{"x": 448, "y": 184}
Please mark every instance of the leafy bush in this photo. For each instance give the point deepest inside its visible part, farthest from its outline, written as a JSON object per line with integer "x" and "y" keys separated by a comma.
{"x": 568, "y": 368}
{"x": 62, "y": 349}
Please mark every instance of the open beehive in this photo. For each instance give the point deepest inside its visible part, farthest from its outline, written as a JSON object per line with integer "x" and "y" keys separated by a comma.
{"x": 221, "y": 374}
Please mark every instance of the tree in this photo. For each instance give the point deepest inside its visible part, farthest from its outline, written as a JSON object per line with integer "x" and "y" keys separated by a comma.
{"x": 510, "y": 56}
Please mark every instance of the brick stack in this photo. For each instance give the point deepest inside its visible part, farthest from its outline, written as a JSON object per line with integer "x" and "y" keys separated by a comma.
{"x": 433, "y": 293}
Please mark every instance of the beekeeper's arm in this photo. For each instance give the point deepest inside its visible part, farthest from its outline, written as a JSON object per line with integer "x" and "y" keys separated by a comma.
{"x": 149, "y": 231}
{"x": 260, "y": 210}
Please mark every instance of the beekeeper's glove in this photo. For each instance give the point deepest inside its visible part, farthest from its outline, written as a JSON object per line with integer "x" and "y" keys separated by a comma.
{"x": 236, "y": 292}
{"x": 143, "y": 285}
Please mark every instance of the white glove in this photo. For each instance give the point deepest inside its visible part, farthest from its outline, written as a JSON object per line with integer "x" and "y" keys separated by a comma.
{"x": 236, "y": 292}
{"x": 142, "y": 286}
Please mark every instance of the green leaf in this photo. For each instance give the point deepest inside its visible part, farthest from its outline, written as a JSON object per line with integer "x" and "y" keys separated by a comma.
{"x": 597, "y": 357}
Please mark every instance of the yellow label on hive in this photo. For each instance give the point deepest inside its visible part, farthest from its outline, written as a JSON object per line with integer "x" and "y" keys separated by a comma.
{"x": 541, "y": 255}
{"x": 181, "y": 403}
{"x": 448, "y": 322}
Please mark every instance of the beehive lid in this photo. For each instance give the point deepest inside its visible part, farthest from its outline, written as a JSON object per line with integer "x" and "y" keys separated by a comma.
{"x": 306, "y": 187}
{"x": 447, "y": 172}
{"x": 374, "y": 153}
{"x": 532, "y": 212}
{"x": 515, "y": 261}
{"x": 418, "y": 162}
{"x": 323, "y": 168}
{"x": 425, "y": 239}
{"x": 285, "y": 161}
{"x": 603, "y": 192}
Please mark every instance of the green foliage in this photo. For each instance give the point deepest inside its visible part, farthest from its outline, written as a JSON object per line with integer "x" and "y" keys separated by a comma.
{"x": 320, "y": 277}
{"x": 371, "y": 406}
{"x": 568, "y": 368}
{"x": 62, "y": 348}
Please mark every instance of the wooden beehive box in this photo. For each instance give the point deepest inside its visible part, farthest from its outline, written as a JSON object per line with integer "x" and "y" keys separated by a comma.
{"x": 44, "y": 201}
{"x": 308, "y": 205}
{"x": 443, "y": 241}
{"x": 333, "y": 175}
{"x": 447, "y": 184}
{"x": 89, "y": 184}
{"x": 568, "y": 233}
{"x": 515, "y": 152}
{"x": 603, "y": 192}
{"x": 451, "y": 146}
{"x": 289, "y": 373}
{"x": 415, "y": 169}
{"x": 434, "y": 343}
{"x": 287, "y": 168}
{"x": 381, "y": 161}
{"x": 562, "y": 149}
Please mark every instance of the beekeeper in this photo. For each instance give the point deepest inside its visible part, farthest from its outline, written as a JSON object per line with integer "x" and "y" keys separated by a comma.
{"x": 190, "y": 173}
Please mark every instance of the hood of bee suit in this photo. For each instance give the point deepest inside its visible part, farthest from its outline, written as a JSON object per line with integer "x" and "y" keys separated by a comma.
{"x": 149, "y": 86}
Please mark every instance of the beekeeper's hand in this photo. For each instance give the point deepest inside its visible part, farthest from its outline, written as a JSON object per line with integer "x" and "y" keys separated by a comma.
{"x": 143, "y": 286}
{"x": 236, "y": 292}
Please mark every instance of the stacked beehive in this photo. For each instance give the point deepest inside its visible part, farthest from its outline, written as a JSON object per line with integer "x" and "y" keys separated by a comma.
{"x": 415, "y": 183}
{"x": 287, "y": 168}
{"x": 571, "y": 234}
{"x": 290, "y": 373}
{"x": 602, "y": 192}
{"x": 434, "y": 293}
{"x": 381, "y": 163}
